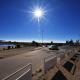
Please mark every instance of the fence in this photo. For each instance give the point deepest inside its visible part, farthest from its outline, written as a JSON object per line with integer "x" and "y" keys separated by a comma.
{"x": 52, "y": 60}
{"x": 25, "y": 73}
{"x": 49, "y": 63}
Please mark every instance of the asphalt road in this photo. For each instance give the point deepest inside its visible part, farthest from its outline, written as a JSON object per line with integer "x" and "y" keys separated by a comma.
{"x": 11, "y": 64}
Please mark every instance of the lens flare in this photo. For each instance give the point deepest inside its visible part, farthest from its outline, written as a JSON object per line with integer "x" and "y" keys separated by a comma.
{"x": 38, "y": 13}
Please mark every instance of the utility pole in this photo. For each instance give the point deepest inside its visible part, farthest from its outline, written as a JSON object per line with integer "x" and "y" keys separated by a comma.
{"x": 42, "y": 37}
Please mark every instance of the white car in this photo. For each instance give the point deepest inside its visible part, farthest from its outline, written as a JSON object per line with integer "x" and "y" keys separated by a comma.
{"x": 53, "y": 47}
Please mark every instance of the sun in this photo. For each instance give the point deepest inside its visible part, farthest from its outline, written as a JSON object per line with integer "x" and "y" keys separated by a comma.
{"x": 38, "y": 13}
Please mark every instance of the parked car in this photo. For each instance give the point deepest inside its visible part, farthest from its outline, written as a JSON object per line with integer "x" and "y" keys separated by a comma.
{"x": 53, "y": 47}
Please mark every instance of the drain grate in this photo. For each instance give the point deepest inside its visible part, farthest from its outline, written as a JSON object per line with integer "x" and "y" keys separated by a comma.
{"x": 68, "y": 65}
{"x": 59, "y": 76}
{"x": 73, "y": 59}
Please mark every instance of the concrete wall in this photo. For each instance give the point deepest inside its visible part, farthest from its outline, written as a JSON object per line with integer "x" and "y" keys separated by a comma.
{"x": 49, "y": 63}
{"x": 3, "y": 47}
{"x": 6, "y": 47}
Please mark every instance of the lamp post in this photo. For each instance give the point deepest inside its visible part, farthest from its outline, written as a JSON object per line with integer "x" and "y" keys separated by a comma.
{"x": 42, "y": 37}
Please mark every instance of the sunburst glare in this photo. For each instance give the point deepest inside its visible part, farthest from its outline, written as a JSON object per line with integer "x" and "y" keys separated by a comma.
{"x": 38, "y": 13}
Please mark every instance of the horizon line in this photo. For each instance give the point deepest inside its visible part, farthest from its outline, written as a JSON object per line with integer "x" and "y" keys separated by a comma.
{"x": 44, "y": 41}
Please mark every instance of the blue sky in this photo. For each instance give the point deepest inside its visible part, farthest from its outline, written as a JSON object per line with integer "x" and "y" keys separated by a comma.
{"x": 61, "y": 22}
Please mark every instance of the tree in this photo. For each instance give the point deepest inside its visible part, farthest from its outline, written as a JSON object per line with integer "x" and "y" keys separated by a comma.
{"x": 34, "y": 43}
{"x": 51, "y": 42}
{"x": 77, "y": 42}
{"x": 71, "y": 42}
{"x": 67, "y": 42}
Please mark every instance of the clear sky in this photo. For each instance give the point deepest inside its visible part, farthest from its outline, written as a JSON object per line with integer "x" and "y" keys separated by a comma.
{"x": 61, "y": 21}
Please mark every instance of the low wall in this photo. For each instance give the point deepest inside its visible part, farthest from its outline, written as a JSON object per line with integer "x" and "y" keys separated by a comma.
{"x": 6, "y": 47}
{"x": 3, "y": 47}
{"x": 49, "y": 63}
